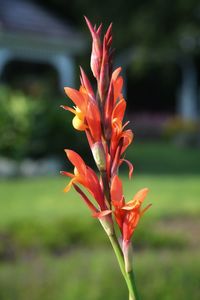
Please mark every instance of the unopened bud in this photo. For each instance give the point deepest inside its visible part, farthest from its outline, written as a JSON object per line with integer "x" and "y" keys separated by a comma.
{"x": 99, "y": 156}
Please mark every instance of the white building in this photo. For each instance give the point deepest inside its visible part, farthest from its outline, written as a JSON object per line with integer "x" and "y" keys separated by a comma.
{"x": 30, "y": 34}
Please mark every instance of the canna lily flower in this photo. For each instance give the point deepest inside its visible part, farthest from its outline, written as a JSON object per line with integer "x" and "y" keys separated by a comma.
{"x": 87, "y": 178}
{"x": 87, "y": 115}
{"x": 100, "y": 114}
{"x": 128, "y": 214}
{"x": 80, "y": 100}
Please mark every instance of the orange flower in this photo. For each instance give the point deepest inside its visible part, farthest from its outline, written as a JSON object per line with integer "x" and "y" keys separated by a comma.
{"x": 86, "y": 177}
{"x": 100, "y": 114}
{"x": 120, "y": 138}
{"x": 127, "y": 215}
{"x": 80, "y": 100}
{"x": 87, "y": 114}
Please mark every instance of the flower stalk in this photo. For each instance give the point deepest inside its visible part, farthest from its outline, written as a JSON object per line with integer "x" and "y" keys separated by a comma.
{"x": 100, "y": 115}
{"x": 128, "y": 276}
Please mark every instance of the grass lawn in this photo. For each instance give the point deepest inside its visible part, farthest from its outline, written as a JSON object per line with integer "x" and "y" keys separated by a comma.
{"x": 42, "y": 199}
{"x": 164, "y": 158}
{"x": 92, "y": 274}
{"x": 50, "y": 247}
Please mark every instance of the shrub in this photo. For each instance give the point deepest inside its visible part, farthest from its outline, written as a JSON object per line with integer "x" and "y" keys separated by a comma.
{"x": 28, "y": 124}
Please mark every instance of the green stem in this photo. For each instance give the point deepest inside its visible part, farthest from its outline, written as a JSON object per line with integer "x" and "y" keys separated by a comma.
{"x": 129, "y": 277}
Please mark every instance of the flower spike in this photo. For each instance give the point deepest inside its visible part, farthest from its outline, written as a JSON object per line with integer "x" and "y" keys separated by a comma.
{"x": 100, "y": 115}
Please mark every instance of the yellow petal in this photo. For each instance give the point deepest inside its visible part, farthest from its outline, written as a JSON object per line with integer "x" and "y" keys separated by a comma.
{"x": 68, "y": 187}
{"x": 78, "y": 123}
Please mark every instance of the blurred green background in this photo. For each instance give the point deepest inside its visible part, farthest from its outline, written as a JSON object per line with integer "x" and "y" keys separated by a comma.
{"x": 50, "y": 246}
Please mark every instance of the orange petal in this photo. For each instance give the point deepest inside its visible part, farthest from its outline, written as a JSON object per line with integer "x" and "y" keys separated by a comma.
{"x": 116, "y": 190}
{"x": 145, "y": 209}
{"x": 140, "y": 195}
{"x": 94, "y": 187}
{"x": 76, "y": 160}
{"x": 87, "y": 83}
{"x": 64, "y": 173}
{"x": 128, "y": 137}
{"x": 130, "y": 166}
{"x": 86, "y": 199}
{"x": 94, "y": 121}
{"x": 68, "y": 187}
{"x": 115, "y": 73}
{"x": 118, "y": 84}
{"x": 137, "y": 200}
{"x": 68, "y": 108}
{"x": 119, "y": 110}
{"x": 76, "y": 97}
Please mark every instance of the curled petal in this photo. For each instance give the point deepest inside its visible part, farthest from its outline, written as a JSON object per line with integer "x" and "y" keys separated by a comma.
{"x": 127, "y": 136}
{"x": 125, "y": 125}
{"x": 130, "y": 166}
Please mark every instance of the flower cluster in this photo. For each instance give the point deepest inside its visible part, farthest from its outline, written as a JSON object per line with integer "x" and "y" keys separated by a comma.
{"x": 100, "y": 114}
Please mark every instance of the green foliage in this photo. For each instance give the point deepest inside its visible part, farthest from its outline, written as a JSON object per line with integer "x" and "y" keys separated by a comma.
{"x": 27, "y": 125}
{"x": 15, "y": 114}
{"x": 94, "y": 275}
